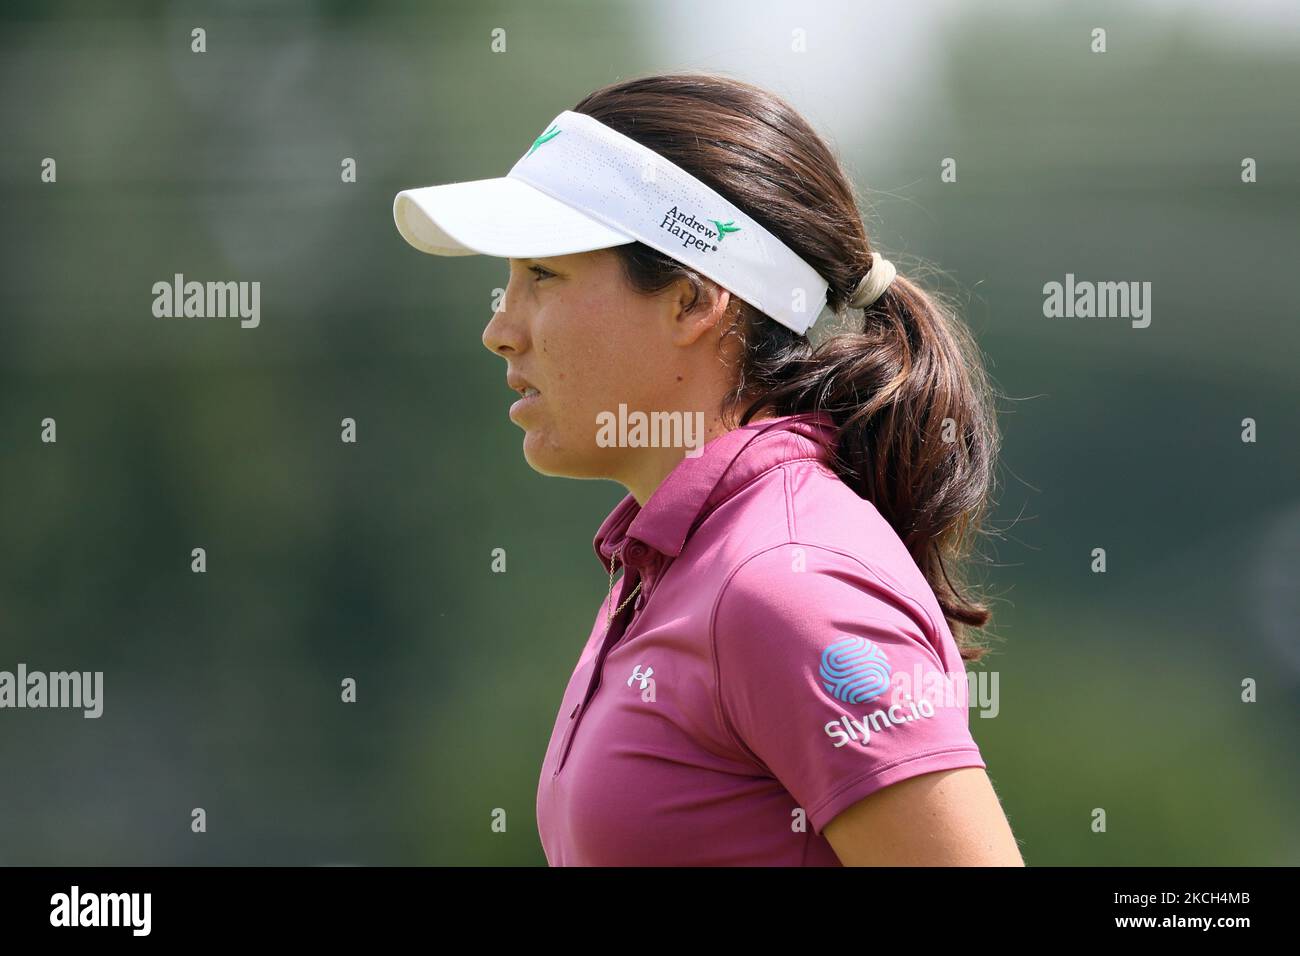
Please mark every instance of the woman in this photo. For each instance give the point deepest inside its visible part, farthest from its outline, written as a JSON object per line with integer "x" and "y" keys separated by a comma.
{"x": 774, "y": 682}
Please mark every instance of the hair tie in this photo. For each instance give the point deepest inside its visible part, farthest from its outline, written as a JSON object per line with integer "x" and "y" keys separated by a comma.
{"x": 874, "y": 283}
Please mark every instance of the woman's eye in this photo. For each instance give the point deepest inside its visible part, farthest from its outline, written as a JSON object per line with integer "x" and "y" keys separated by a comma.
{"x": 540, "y": 272}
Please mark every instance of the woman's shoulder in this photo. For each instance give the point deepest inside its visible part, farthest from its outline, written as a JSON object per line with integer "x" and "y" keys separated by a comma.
{"x": 802, "y": 514}
{"x": 826, "y": 552}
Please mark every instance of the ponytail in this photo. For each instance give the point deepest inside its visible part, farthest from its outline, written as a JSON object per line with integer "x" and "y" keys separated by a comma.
{"x": 917, "y": 437}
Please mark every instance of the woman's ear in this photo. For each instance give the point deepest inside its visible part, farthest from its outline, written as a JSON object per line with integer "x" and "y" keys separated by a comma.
{"x": 699, "y": 309}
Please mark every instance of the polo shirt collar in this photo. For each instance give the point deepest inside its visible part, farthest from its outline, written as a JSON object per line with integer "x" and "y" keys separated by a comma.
{"x": 697, "y": 485}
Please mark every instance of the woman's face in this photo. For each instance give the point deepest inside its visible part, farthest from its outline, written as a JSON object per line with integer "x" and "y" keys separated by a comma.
{"x": 572, "y": 328}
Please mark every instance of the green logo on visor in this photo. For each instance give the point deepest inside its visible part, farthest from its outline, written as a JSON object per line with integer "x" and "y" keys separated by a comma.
{"x": 548, "y": 135}
{"x": 725, "y": 227}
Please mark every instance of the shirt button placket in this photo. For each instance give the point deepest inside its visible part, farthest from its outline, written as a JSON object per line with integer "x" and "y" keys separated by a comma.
{"x": 614, "y": 636}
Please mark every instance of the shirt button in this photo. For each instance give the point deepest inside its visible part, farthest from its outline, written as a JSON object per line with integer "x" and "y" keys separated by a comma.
{"x": 635, "y": 553}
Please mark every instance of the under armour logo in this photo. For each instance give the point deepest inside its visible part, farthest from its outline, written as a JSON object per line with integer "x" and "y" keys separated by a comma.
{"x": 647, "y": 682}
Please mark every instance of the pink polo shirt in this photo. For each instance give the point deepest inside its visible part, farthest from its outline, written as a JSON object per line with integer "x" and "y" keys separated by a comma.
{"x": 785, "y": 659}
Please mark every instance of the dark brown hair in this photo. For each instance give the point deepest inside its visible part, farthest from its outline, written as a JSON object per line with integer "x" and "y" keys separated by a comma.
{"x": 907, "y": 389}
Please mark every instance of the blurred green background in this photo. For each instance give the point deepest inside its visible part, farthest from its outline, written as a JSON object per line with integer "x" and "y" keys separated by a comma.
{"x": 328, "y": 560}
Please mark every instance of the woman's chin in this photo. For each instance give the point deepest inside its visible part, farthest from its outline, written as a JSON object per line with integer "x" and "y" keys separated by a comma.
{"x": 541, "y": 455}
{"x": 547, "y": 457}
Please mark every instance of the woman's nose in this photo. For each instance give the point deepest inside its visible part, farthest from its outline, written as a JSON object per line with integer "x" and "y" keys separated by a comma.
{"x": 507, "y": 330}
{"x": 498, "y": 336}
{"x": 491, "y": 338}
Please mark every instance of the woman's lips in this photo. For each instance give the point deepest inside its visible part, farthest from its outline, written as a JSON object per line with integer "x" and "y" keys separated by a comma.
{"x": 528, "y": 401}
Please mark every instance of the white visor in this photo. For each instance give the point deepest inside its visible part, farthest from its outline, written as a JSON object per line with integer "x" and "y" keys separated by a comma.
{"x": 584, "y": 186}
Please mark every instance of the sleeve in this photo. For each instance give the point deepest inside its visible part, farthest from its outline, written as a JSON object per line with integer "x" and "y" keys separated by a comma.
{"x": 831, "y": 678}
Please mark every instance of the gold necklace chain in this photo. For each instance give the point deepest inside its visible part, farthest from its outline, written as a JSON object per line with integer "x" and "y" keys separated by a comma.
{"x": 608, "y": 618}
